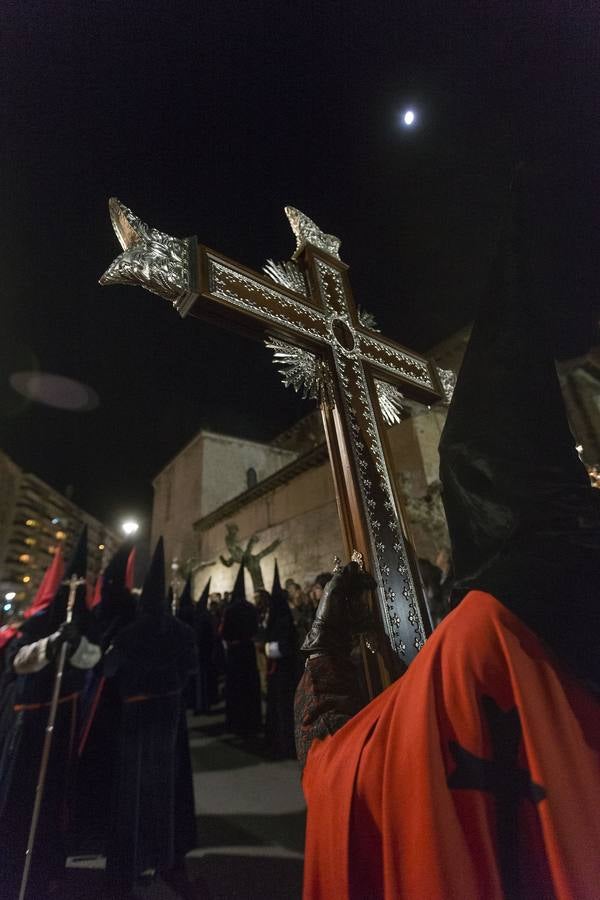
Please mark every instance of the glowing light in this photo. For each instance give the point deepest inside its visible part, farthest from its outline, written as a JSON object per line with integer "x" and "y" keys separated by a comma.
{"x": 100, "y": 546}
{"x": 26, "y": 579}
{"x": 55, "y": 521}
{"x": 129, "y": 527}
{"x": 60, "y": 535}
{"x": 54, "y": 390}
{"x": 10, "y": 595}
{"x": 409, "y": 117}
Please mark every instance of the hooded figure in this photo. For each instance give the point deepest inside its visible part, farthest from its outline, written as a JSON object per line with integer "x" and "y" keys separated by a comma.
{"x": 101, "y": 709}
{"x": 477, "y": 774}
{"x": 523, "y": 518}
{"x": 116, "y": 607}
{"x": 150, "y": 662}
{"x": 31, "y": 670}
{"x": 282, "y": 672}
{"x": 205, "y": 688}
{"x": 185, "y": 611}
{"x": 242, "y": 684}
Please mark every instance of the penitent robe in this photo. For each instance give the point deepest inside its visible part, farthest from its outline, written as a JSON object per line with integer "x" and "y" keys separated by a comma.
{"x": 476, "y": 775}
{"x": 152, "y": 824}
{"x": 243, "y": 714}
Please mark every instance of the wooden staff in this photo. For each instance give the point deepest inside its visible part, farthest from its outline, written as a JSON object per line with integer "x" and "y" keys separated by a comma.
{"x": 73, "y": 583}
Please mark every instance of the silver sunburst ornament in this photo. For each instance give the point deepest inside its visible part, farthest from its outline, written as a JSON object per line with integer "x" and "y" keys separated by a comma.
{"x": 390, "y": 402}
{"x": 302, "y": 370}
{"x": 288, "y": 274}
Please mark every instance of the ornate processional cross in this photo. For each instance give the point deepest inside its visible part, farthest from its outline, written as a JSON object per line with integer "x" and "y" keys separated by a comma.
{"x": 303, "y": 309}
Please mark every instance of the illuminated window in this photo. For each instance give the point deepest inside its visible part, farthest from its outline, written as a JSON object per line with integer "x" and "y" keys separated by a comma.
{"x": 59, "y": 535}
{"x": 32, "y": 523}
{"x": 24, "y": 557}
{"x": 31, "y": 542}
{"x": 26, "y": 579}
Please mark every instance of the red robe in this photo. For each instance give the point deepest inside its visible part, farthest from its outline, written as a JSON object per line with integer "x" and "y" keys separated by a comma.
{"x": 476, "y": 775}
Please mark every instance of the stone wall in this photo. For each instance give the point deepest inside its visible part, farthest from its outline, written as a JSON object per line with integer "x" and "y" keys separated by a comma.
{"x": 210, "y": 470}
{"x": 226, "y": 464}
{"x": 177, "y": 501}
{"x": 302, "y": 513}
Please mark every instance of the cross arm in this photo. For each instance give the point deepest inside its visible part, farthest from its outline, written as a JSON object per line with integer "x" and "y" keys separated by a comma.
{"x": 204, "y": 283}
{"x": 233, "y": 295}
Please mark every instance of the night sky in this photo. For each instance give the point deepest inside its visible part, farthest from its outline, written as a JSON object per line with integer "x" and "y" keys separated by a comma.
{"x": 207, "y": 119}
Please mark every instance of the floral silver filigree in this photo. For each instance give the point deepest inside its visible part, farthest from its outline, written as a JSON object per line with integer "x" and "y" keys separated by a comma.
{"x": 448, "y": 380}
{"x": 390, "y": 402}
{"x": 304, "y": 371}
{"x": 307, "y": 232}
{"x": 158, "y": 262}
{"x": 288, "y": 274}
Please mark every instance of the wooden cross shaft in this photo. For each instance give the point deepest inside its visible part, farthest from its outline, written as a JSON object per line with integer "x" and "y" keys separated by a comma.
{"x": 310, "y": 306}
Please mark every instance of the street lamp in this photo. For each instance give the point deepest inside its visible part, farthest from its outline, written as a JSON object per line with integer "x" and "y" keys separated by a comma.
{"x": 130, "y": 527}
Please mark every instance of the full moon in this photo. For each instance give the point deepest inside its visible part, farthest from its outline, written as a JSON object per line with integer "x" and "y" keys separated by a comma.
{"x": 409, "y": 117}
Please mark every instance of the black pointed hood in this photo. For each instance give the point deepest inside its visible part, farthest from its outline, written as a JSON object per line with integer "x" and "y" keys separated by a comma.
{"x": 116, "y": 607}
{"x": 153, "y": 599}
{"x": 278, "y": 604}
{"x": 239, "y": 588}
{"x": 523, "y": 518}
{"x": 78, "y": 563}
{"x": 116, "y": 570}
{"x": 276, "y": 590}
{"x": 278, "y": 607}
{"x": 203, "y": 598}
{"x": 186, "y": 607}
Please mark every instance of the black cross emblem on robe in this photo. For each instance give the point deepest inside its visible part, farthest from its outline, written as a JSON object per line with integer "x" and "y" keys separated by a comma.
{"x": 502, "y": 777}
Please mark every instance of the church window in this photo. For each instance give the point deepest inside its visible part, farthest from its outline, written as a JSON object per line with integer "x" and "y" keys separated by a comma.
{"x": 251, "y": 477}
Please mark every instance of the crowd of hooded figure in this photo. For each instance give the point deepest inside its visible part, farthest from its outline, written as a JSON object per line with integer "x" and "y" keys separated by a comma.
{"x": 118, "y": 781}
{"x": 118, "y": 777}
{"x": 258, "y": 644}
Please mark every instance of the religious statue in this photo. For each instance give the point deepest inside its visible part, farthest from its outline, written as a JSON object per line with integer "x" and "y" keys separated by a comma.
{"x": 250, "y": 560}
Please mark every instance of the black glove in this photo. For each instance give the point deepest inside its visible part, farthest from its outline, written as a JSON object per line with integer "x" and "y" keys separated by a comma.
{"x": 68, "y": 633}
{"x": 342, "y": 612}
